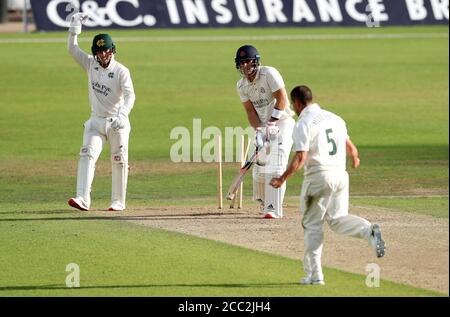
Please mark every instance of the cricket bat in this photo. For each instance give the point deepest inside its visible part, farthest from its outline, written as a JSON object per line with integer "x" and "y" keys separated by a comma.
{"x": 240, "y": 176}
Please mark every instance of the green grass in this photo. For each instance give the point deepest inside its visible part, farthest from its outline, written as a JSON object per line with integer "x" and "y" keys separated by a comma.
{"x": 410, "y": 177}
{"x": 117, "y": 258}
{"x": 371, "y": 83}
{"x": 392, "y": 93}
{"x": 433, "y": 206}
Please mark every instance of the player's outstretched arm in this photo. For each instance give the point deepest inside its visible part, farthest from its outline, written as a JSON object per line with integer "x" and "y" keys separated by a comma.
{"x": 297, "y": 163}
{"x": 352, "y": 151}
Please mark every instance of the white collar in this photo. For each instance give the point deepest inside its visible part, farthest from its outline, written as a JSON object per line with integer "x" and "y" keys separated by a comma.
{"x": 112, "y": 62}
{"x": 308, "y": 109}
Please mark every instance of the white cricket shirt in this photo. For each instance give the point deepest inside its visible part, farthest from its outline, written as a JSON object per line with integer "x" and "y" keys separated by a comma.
{"x": 323, "y": 135}
{"x": 109, "y": 88}
{"x": 259, "y": 92}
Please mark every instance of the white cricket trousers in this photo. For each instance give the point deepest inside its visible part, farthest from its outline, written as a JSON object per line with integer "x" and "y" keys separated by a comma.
{"x": 276, "y": 163}
{"x": 97, "y": 132}
{"x": 325, "y": 196}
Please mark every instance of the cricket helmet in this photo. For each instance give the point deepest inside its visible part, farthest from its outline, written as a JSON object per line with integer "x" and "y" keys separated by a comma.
{"x": 102, "y": 42}
{"x": 247, "y": 52}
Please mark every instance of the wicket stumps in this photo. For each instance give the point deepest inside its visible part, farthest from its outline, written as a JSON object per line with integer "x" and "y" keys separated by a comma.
{"x": 219, "y": 170}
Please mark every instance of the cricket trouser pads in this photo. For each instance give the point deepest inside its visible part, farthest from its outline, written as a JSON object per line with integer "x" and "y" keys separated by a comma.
{"x": 119, "y": 179}
{"x": 85, "y": 173}
{"x": 259, "y": 181}
{"x": 274, "y": 197}
{"x": 119, "y": 164}
{"x": 276, "y": 162}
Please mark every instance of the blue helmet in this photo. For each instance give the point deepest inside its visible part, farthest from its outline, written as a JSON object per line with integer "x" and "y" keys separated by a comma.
{"x": 247, "y": 52}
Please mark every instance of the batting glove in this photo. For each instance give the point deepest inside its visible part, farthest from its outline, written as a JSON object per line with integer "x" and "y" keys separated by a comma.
{"x": 272, "y": 131}
{"x": 260, "y": 138}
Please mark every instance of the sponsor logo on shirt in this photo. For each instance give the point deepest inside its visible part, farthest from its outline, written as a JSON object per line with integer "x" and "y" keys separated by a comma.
{"x": 100, "y": 88}
{"x": 260, "y": 103}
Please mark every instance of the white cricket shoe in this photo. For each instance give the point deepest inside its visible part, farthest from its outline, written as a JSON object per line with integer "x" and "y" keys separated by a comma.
{"x": 376, "y": 241}
{"x": 78, "y": 203}
{"x": 270, "y": 213}
{"x": 308, "y": 281}
{"x": 116, "y": 206}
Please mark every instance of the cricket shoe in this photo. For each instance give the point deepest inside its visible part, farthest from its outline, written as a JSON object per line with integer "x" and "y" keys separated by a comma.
{"x": 116, "y": 206}
{"x": 78, "y": 203}
{"x": 308, "y": 281}
{"x": 376, "y": 241}
{"x": 270, "y": 215}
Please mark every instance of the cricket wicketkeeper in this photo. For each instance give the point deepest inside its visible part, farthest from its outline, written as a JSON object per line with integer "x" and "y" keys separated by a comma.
{"x": 263, "y": 94}
{"x": 111, "y": 95}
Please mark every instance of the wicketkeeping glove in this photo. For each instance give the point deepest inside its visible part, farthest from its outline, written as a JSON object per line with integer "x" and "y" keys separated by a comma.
{"x": 120, "y": 120}
{"x": 118, "y": 123}
{"x": 76, "y": 21}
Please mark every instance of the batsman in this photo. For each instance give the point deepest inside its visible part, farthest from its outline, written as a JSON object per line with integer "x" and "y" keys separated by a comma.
{"x": 111, "y": 96}
{"x": 263, "y": 95}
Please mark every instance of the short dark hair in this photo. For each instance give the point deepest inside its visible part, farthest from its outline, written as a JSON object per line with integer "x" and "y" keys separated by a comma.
{"x": 302, "y": 94}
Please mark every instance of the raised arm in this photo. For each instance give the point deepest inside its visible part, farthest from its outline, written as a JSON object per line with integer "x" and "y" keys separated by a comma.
{"x": 72, "y": 42}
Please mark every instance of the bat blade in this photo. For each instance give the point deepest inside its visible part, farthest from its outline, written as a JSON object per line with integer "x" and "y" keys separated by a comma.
{"x": 235, "y": 185}
{"x": 240, "y": 177}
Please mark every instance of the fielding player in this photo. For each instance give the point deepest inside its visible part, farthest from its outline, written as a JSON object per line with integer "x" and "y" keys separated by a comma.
{"x": 111, "y": 95}
{"x": 321, "y": 143}
{"x": 263, "y": 94}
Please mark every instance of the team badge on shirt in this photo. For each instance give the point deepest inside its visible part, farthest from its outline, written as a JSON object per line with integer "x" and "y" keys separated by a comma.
{"x": 111, "y": 75}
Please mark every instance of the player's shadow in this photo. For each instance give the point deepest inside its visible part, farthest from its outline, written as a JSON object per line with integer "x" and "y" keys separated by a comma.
{"x": 34, "y": 212}
{"x": 100, "y": 287}
{"x": 181, "y": 216}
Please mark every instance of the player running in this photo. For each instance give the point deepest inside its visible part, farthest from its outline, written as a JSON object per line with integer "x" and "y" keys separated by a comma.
{"x": 321, "y": 143}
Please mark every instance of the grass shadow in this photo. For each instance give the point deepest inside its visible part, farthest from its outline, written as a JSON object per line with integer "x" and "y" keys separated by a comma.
{"x": 33, "y": 212}
{"x": 219, "y": 285}
{"x": 137, "y": 217}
